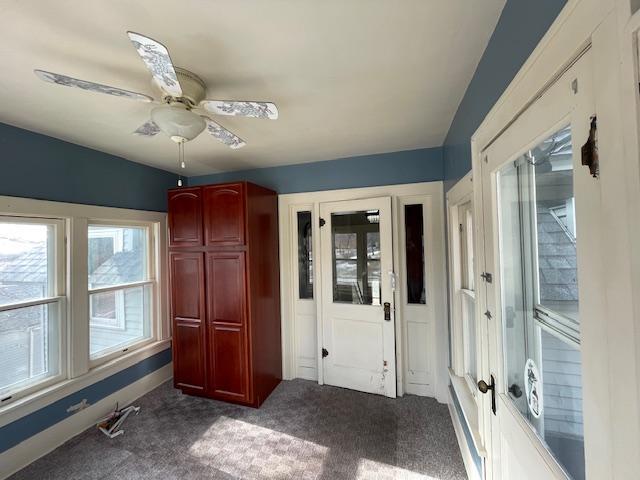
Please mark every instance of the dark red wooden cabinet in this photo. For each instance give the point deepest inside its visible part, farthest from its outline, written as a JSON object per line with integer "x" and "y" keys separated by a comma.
{"x": 225, "y": 296}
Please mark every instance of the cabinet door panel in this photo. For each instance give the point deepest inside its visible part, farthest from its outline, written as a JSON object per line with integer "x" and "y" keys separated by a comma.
{"x": 188, "y": 316}
{"x": 185, "y": 217}
{"x": 226, "y": 300}
{"x": 226, "y": 304}
{"x": 224, "y": 207}
{"x": 229, "y": 361}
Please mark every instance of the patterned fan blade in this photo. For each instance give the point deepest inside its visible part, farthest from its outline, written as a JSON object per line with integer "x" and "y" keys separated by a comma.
{"x": 156, "y": 58}
{"x": 242, "y": 109}
{"x": 149, "y": 129}
{"x": 225, "y": 136}
{"x": 59, "y": 79}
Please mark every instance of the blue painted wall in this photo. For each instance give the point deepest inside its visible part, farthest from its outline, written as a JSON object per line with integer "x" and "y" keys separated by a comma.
{"x": 42, "y": 167}
{"x": 520, "y": 27}
{"x": 29, "y": 425}
{"x": 410, "y": 166}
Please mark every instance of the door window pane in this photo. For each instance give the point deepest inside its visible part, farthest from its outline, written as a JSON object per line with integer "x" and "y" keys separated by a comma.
{"x": 540, "y": 296}
{"x": 356, "y": 257}
{"x": 26, "y": 262}
{"x": 414, "y": 248}
{"x": 305, "y": 256}
{"x": 556, "y": 228}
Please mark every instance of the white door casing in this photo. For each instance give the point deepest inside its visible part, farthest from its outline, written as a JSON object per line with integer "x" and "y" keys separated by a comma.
{"x": 515, "y": 451}
{"x": 359, "y": 340}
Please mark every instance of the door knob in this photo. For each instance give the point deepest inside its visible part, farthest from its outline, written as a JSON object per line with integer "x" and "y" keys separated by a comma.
{"x": 484, "y": 388}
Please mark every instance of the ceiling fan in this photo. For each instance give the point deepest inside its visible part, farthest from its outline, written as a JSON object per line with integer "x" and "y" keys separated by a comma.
{"x": 181, "y": 114}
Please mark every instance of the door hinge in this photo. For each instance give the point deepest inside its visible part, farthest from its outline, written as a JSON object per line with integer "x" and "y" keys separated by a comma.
{"x": 322, "y": 222}
{"x": 590, "y": 156}
{"x": 488, "y": 314}
{"x": 325, "y": 353}
{"x": 487, "y": 277}
{"x": 460, "y": 228}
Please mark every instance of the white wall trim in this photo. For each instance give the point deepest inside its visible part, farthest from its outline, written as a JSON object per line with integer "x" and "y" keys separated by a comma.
{"x": 467, "y": 459}
{"x": 289, "y": 202}
{"x": 44, "y": 442}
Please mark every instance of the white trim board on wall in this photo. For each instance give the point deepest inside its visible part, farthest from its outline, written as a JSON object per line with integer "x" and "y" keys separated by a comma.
{"x": 301, "y": 343}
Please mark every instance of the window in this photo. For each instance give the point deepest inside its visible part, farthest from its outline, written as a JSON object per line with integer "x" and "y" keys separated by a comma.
{"x": 31, "y": 303}
{"x": 414, "y": 245}
{"x": 540, "y": 298}
{"x": 120, "y": 287}
{"x": 305, "y": 256}
{"x": 466, "y": 293}
{"x": 356, "y": 257}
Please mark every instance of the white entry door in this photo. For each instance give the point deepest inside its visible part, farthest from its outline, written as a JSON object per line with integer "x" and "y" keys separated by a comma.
{"x": 358, "y": 319}
{"x": 538, "y": 204}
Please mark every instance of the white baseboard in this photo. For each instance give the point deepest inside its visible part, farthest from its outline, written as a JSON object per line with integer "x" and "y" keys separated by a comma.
{"x": 469, "y": 464}
{"x": 44, "y": 442}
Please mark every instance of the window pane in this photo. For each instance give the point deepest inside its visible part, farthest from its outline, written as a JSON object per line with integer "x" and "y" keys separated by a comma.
{"x": 119, "y": 318}
{"x": 356, "y": 257}
{"x": 538, "y": 266}
{"x": 469, "y": 321}
{"x": 305, "y": 256}
{"x": 556, "y": 228}
{"x": 117, "y": 255}
{"x": 28, "y": 345}
{"x": 414, "y": 247}
{"x": 26, "y": 262}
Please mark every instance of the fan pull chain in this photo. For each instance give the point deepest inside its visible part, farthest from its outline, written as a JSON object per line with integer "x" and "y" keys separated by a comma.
{"x": 181, "y": 161}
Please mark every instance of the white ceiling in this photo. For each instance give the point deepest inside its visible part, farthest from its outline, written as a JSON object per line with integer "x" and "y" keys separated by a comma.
{"x": 350, "y": 77}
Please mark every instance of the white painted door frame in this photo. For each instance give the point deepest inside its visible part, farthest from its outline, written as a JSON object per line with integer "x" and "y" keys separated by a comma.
{"x": 431, "y": 195}
{"x": 611, "y": 347}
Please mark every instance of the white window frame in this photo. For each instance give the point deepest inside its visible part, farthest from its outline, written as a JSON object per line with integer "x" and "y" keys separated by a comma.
{"x": 464, "y": 385}
{"x": 58, "y": 298}
{"x": 151, "y": 281}
{"x": 79, "y": 370}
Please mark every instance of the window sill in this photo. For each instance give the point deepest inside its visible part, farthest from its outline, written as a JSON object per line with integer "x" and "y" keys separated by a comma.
{"x": 47, "y": 395}
{"x": 469, "y": 410}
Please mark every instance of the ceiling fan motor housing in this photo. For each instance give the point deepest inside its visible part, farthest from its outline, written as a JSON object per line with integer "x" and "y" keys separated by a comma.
{"x": 193, "y": 88}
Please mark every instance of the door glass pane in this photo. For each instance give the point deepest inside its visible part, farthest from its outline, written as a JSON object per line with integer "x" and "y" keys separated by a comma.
{"x": 356, "y": 257}
{"x": 29, "y": 346}
{"x": 540, "y": 296}
{"x": 556, "y": 225}
{"x": 414, "y": 248}
{"x": 26, "y": 262}
{"x": 305, "y": 256}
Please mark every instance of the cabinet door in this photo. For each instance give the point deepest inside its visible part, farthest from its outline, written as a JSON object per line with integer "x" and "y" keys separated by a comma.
{"x": 188, "y": 315}
{"x": 226, "y": 303}
{"x": 185, "y": 217}
{"x": 224, "y": 214}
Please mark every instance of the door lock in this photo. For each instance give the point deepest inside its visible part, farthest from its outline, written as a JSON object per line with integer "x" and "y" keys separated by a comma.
{"x": 387, "y": 311}
{"x": 484, "y": 388}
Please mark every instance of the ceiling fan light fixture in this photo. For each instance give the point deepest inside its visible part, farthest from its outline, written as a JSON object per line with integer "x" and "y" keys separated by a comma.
{"x": 177, "y": 121}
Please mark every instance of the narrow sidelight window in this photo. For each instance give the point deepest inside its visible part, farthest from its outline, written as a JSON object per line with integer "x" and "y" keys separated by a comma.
{"x": 414, "y": 244}
{"x": 305, "y": 256}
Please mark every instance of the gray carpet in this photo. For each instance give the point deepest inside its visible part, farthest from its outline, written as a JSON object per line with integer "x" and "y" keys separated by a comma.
{"x": 303, "y": 431}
